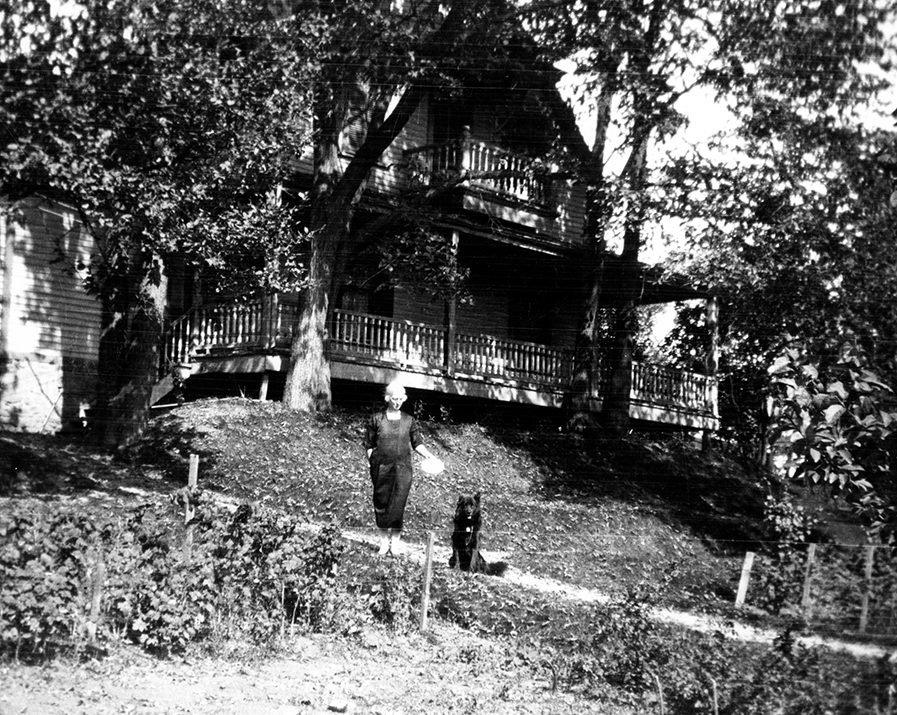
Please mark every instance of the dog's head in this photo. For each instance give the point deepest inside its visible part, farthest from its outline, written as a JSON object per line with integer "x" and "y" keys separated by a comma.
{"x": 468, "y": 508}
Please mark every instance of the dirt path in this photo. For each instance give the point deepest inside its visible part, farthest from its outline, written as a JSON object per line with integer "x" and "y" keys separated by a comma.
{"x": 447, "y": 670}
{"x": 693, "y": 621}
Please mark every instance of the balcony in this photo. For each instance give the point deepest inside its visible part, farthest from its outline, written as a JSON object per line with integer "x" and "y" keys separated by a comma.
{"x": 254, "y": 336}
{"x": 485, "y": 171}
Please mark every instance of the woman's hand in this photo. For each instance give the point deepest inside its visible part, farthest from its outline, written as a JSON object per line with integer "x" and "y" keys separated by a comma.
{"x": 424, "y": 452}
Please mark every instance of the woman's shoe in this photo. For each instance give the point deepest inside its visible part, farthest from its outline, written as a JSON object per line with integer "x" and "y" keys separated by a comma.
{"x": 384, "y": 544}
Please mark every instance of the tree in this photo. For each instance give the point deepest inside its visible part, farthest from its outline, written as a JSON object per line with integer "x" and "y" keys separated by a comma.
{"x": 155, "y": 122}
{"x": 780, "y": 68}
{"x": 792, "y": 232}
{"x": 378, "y": 64}
{"x": 634, "y": 60}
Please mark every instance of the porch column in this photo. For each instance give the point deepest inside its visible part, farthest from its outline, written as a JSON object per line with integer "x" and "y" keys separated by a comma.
{"x": 711, "y": 358}
{"x": 7, "y": 226}
{"x": 451, "y": 306}
{"x": 464, "y": 154}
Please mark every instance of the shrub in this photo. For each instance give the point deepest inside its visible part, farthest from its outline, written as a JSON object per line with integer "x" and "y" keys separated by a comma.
{"x": 386, "y": 592}
{"x": 249, "y": 573}
{"x": 43, "y": 560}
{"x": 779, "y": 583}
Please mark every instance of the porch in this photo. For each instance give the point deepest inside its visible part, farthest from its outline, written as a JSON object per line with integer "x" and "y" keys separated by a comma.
{"x": 253, "y": 336}
{"x": 493, "y": 183}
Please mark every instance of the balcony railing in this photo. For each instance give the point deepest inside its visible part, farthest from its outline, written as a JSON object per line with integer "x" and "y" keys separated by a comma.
{"x": 265, "y": 324}
{"x": 483, "y": 166}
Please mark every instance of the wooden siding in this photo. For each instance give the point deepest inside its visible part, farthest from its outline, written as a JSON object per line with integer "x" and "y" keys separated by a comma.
{"x": 50, "y": 312}
{"x": 49, "y": 329}
{"x": 418, "y": 307}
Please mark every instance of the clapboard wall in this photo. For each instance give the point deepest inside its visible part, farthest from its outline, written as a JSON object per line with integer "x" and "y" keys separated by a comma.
{"x": 49, "y": 324}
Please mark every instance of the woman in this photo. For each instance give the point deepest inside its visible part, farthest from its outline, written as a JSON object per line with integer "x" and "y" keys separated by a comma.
{"x": 390, "y": 437}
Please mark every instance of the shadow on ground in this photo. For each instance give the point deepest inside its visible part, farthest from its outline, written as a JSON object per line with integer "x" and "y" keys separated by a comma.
{"x": 70, "y": 465}
{"x": 718, "y": 499}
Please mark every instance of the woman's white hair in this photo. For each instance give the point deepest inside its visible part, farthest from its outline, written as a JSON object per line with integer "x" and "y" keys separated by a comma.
{"x": 394, "y": 389}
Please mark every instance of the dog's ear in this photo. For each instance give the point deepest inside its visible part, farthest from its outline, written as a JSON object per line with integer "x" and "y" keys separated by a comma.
{"x": 476, "y": 497}
{"x": 460, "y": 500}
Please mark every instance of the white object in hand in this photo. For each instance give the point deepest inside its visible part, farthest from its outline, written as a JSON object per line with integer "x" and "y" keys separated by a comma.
{"x": 432, "y": 465}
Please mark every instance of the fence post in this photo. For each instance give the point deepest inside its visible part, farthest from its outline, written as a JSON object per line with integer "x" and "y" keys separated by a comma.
{"x": 867, "y": 588}
{"x": 428, "y": 575}
{"x": 745, "y": 577}
{"x": 659, "y": 693}
{"x": 96, "y": 580}
{"x": 808, "y": 572}
{"x": 189, "y": 511}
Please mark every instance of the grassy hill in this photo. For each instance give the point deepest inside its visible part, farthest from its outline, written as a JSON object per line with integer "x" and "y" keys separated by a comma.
{"x": 647, "y": 519}
{"x": 602, "y": 516}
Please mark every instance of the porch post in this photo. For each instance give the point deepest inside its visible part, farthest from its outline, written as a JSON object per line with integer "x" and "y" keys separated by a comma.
{"x": 711, "y": 359}
{"x": 451, "y": 306}
{"x": 464, "y": 143}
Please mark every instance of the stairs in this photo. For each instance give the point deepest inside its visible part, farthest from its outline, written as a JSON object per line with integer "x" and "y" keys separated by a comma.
{"x": 161, "y": 388}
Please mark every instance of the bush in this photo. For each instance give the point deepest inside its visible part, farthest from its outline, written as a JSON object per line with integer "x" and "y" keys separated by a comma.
{"x": 779, "y": 583}
{"x": 385, "y": 592}
{"x": 68, "y": 580}
{"x": 43, "y": 563}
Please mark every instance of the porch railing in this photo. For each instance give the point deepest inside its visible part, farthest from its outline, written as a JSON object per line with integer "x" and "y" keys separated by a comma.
{"x": 670, "y": 387}
{"x": 401, "y": 341}
{"x": 260, "y": 323}
{"x": 486, "y": 166}
{"x": 266, "y": 324}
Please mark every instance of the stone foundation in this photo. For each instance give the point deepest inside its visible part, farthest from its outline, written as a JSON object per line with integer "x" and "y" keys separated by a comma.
{"x": 45, "y": 393}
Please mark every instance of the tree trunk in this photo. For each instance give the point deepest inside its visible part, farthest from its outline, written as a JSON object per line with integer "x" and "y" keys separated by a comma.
{"x": 615, "y": 409}
{"x": 308, "y": 382}
{"x": 114, "y": 318}
{"x": 586, "y": 358}
{"x": 127, "y": 412}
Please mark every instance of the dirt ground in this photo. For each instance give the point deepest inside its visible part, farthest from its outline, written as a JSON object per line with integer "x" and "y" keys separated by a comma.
{"x": 446, "y": 670}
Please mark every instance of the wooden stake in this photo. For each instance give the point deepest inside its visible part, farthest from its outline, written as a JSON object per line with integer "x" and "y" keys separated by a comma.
{"x": 263, "y": 388}
{"x": 97, "y": 577}
{"x": 715, "y": 697}
{"x": 189, "y": 511}
{"x": 428, "y": 575}
{"x": 193, "y": 474}
{"x": 659, "y": 693}
{"x": 808, "y": 572}
{"x": 867, "y": 588}
{"x": 745, "y": 578}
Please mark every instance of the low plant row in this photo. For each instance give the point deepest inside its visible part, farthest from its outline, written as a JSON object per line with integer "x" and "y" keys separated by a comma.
{"x": 619, "y": 651}
{"x": 72, "y": 581}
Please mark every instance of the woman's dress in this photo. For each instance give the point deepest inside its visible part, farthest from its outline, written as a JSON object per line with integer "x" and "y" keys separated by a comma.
{"x": 393, "y": 442}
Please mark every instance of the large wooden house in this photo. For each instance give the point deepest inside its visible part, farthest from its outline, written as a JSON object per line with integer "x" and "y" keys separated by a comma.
{"x": 516, "y": 226}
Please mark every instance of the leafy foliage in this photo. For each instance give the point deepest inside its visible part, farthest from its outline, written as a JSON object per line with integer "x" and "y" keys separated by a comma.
{"x": 785, "y": 214}
{"x": 833, "y": 426}
{"x": 163, "y": 126}
{"x": 250, "y": 573}
{"x": 778, "y": 583}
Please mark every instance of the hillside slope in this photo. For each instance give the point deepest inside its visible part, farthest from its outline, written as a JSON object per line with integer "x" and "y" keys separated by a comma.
{"x": 600, "y": 517}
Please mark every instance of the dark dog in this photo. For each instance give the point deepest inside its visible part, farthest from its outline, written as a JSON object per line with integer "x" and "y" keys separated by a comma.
{"x": 466, "y": 535}
{"x": 466, "y": 538}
